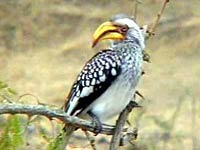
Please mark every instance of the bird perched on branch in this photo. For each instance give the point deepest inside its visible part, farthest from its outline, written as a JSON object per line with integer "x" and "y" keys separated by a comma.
{"x": 108, "y": 80}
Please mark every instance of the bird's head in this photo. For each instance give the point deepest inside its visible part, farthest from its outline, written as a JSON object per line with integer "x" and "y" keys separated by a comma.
{"x": 120, "y": 27}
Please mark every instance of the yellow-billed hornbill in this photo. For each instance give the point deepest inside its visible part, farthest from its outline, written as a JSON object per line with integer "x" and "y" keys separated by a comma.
{"x": 107, "y": 82}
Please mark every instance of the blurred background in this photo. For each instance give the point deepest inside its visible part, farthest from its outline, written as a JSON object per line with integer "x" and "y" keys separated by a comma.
{"x": 45, "y": 43}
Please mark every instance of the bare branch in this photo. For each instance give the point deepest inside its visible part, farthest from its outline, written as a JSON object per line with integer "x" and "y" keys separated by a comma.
{"x": 30, "y": 110}
{"x": 28, "y": 94}
{"x": 137, "y": 2}
{"x": 136, "y": 9}
{"x": 153, "y": 29}
{"x": 90, "y": 139}
{"x": 128, "y": 137}
{"x": 6, "y": 98}
{"x": 115, "y": 141}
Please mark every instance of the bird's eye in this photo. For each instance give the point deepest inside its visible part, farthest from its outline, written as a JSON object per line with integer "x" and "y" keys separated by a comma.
{"x": 124, "y": 29}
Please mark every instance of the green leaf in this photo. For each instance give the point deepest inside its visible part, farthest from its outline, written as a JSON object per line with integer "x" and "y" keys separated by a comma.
{"x": 56, "y": 144}
{"x": 12, "y": 91}
{"x": 3, "y": 85}
{"x": 12, "y": 138}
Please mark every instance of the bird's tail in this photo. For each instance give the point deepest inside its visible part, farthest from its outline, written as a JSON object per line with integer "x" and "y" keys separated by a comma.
{"x": 62, "y": 139}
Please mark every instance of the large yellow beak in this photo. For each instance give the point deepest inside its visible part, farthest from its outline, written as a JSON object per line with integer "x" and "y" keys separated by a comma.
{"x": 107, "y": 30}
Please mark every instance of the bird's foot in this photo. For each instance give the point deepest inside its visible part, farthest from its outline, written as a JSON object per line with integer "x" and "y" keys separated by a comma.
{"x": 98, "y": 127}
{"x": 97, "y": 123}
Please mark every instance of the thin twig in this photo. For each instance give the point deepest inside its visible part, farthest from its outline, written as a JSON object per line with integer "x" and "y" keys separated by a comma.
{"x": 7, "y": 98}
{"x": 155, "y": 24}
{"x": 193, "y": 121}
{"x": 90, "y": 139}
{"x": 135, "y": 12}
{"x": 128, "y": 137}
{"x": 28, "y": 94}
{"x": 136, "y": 9}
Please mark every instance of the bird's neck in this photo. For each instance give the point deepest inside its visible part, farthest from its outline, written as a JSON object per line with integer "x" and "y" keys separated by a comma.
{"x": 136, "y": 37}
{"x": 130, "y": 53}
{"x": 132, "y": 45}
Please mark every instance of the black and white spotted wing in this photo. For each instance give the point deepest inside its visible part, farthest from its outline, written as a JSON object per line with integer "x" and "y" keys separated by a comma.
{"x": 96, "y": 76}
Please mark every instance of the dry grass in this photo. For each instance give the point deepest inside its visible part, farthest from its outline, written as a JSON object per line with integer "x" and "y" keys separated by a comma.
{"x": 44, "y": 45}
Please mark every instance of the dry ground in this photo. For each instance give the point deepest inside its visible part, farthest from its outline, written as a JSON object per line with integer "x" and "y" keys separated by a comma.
{"x": 45, "y": 43}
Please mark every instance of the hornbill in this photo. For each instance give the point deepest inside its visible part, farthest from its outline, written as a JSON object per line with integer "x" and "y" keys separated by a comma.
{"x": 106, "y": 84}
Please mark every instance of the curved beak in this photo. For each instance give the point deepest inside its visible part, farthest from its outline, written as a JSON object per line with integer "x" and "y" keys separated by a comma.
{"x": 107, "y": 30}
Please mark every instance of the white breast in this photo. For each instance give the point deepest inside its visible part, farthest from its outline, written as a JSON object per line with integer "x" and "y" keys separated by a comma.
{"x": 113, "y": 100}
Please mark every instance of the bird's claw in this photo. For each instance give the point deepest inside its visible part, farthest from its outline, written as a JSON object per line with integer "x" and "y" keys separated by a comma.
{"x": 97, "y": 123}
{"x": 97, "y": 126}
